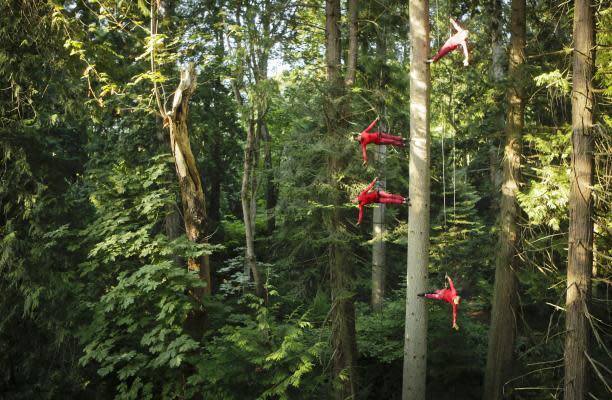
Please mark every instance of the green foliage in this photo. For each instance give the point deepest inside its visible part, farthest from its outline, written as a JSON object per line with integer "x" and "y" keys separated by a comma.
{"x": 95, "y": 298}
{"x": 258, "y": 356}
{"x": 546, "y": 195}
{"x": 137, "y": 295}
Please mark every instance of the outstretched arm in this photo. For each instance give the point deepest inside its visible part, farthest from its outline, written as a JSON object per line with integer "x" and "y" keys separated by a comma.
{"x": 371, "y": 125}
{"x": 450, "y": 283}
{"x": 466, "y": 56}
{"x": 457, "y": 27}
{"x": 371, "y": 185}
{"x": 455, "y": 326}
{"x": 364, "y": 152}
{"x": 360, "y": 213}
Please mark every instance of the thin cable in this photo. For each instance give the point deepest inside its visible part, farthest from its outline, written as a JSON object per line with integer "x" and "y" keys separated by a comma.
{"x": 454, "y": 147}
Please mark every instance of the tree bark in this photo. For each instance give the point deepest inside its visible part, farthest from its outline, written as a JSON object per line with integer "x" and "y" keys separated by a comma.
{"x": 351, "y": 62}
{"x": 497, "y": 76}
{"x": 378, "y": 245}
{"x": 248, "y": 199}
{"x": 415, "y": 334}
{"x": 378, "y": 229}
{"x": 580, "y": 257}
{"x": 343, "y": 310}
{"x": 271, "y": 192}
{"x": 503, "y": 317}
{"x": 190, "y": 184}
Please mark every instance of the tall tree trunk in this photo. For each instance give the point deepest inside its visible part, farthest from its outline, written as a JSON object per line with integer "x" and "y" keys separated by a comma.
{"x": 216, "y": 155}
{"x": 580, "y": 258}
{"x": 248, "y": 198}
{"x": 378, "y": 245}
{"x": 190, "y": 184}
{"x": 271, "y": 192}
{"x": 343, "y": 309}
{"x": 415, "y": 335}
{"x": 351, "y": 62}
{"x": 497, "y": 76}
{"x": 503, "y": 317}
{"x": 378, "y": 230}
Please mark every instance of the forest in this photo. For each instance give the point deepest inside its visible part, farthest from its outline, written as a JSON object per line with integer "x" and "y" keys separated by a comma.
{"x": 298, "y": 199}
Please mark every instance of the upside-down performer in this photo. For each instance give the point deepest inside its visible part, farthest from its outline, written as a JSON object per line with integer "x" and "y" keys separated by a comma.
{"x": 376, "y": 196}
{"x": 366, "y": 137}
{"x": 448, "y": 295}
{"x": 458, "y": 39}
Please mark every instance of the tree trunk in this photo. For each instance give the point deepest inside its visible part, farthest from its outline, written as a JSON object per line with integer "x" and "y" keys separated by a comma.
{"x": 497, "y": 77}
{"x": 271, "y": 193}
{"x": 503, "y": 316}
{"x": 343, "y": 310}
{"x": 248, "y": 198}
{"x": 415, "y": 334}
{"x": 580, "y": 258}
{"x": 351, "y": 62}
{"x": 190, "y": 184}
{"x": 378, "y": 245}
{"x": 378, "y": 230}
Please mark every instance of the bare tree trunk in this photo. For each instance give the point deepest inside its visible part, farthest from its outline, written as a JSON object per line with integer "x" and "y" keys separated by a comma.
{"x": 415, "y": 334}
{"x": 248, "y": 198}
{"x": 190, "y": 184}
{"x": 378, "y": 245}
{"x": 497, "y": 77}
{"x": 580, "y": 258}
{"x": 351, "y": 62}
{"x": 503, "y": 318}
{"x": 498, "y": 51}
{"x": 271, "y": 192}
{"x": 378, "y": 230}
{"x": 343, "y": 310}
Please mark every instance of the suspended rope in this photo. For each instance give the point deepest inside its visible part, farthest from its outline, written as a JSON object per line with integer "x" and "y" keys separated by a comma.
{"x": 450, "y": 104}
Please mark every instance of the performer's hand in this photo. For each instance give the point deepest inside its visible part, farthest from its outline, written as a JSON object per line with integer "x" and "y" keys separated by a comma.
{"x": 365, "y": 162}
{"x": 466, "y": 63}
{"x": 456, "y": 327}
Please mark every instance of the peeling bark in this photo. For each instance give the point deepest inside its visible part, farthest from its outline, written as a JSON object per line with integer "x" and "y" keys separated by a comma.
{"x": 190, "y": 184}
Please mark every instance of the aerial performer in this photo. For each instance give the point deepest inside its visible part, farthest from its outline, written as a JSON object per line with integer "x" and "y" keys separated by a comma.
{"x": 448, "y": 295}
{"x": 458, "y": 39}
{"x": 376, "y": 196}
{"x": 366, "y": 137}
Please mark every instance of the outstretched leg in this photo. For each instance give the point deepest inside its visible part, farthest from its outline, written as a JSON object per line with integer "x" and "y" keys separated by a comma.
{"x": 447, "y": 48}
{"x": 392, "y": 142}
{"x": 385, "y": 197}
{"x": 392, "y": 137}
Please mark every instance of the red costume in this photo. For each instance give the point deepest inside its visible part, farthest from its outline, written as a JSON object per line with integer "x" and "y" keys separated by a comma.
{"x": 448, "y": 295}
{"x": 458, "y": 39}
{"x": 366, "y": 137}
{"x": 377, "y": 196}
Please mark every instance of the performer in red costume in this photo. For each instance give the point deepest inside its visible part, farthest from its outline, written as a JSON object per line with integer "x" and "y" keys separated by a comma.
{"x": 458, "y": 39}
{"x": 367, "y": 137}
{"x": 448, "y": 295}
{"x": 376, "y": 196}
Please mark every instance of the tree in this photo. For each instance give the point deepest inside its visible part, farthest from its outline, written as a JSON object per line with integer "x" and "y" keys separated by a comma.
{"x": 580, "y": 254}
{"x": 378, "y": 222}
{"x": 496, "y": 74}
{"x": 343, "y": 309}
{"x": 503, "y": 316}
{"x": 190, "y": 184}
{"x": 415, "y": 336}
